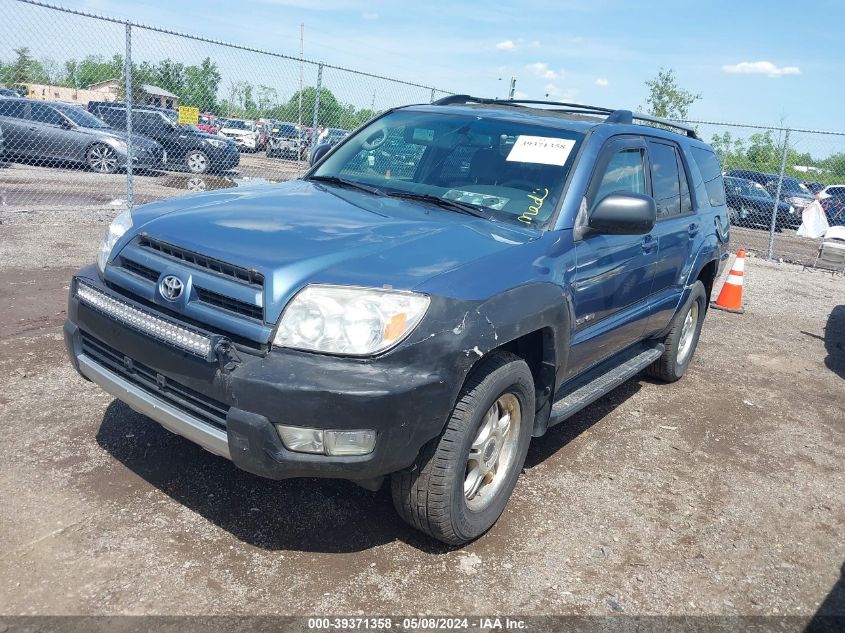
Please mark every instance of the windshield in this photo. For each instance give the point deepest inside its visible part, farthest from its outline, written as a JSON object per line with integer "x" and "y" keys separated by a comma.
{"x": 81, "y": 117}
{"x": 792, "y": 184}
{"x": 511, "y": 171}
{"x": 234, "y": 124}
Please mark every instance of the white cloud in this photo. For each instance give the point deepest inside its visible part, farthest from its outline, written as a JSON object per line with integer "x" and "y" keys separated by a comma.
{"x": 604, "y": 83}
{"x": 761, "y": 68}
{"x": 507, "y": 45}
{"x": 370, "y": 16}
{"x": 542, "y": 70}
{"x": 535, "y": 44}
{"x": 556, "y": 92}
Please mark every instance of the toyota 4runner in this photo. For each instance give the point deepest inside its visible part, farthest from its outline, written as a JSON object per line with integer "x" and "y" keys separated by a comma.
{"x": 440, "y": 288}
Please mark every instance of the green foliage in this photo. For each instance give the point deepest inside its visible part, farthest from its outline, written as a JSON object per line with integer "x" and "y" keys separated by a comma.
{"x": 666, "y": 98}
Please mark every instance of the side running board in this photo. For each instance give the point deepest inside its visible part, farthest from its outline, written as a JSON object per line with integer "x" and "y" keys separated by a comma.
{"x": 601, "y": 379}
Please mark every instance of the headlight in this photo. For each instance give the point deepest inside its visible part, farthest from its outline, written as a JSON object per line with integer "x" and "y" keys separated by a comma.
{"x": 117, "y": 228}
{"x": 348, "y": 320}
{"x": 215, "y": 142}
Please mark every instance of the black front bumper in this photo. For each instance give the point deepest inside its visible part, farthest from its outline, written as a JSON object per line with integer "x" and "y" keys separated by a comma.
{"x": 407, "y": 405}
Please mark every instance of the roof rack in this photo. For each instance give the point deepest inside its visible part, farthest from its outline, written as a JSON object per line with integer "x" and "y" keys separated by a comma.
{"x": 626, "y": 117}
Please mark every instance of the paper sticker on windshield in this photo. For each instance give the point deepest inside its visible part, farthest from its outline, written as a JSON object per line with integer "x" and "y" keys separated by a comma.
{"x": 541, "y": 149}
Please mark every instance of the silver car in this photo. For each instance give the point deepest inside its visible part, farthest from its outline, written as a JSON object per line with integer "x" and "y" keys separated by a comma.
{"x": 58, "y": 132}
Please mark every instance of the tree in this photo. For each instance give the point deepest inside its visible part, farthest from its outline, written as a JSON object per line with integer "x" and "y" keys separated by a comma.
{"x": 666, "y": 99}
{"x": 201, "y": 85}
{"x": 24, "y": 69}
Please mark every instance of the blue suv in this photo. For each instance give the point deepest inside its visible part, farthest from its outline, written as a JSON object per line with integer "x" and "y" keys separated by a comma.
{"x": 441, "y": 287}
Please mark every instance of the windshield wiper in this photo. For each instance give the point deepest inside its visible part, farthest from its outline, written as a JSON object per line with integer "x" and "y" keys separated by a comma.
{"x": 343, "y": 182}
{"x": 443, "y": 203}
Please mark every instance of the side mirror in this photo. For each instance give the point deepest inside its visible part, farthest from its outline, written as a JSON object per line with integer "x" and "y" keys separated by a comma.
{"x": 318, "y": 152}
{"x": 66, "y": 125}
{"x": 624, "y": 214}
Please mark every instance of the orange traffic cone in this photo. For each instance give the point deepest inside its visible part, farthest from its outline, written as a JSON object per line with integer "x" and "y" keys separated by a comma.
{"x": 730, "y": 299}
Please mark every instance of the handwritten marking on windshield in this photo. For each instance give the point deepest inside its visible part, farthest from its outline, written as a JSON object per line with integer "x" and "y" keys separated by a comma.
{"x": 528, "y": 215}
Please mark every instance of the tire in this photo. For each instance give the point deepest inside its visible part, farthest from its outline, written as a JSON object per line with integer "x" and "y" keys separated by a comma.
{"x": 197, "y": 162}
{"x": 431, "y": 494}
{"x": 101, "y": 158}
{"x": 681, "y": 342}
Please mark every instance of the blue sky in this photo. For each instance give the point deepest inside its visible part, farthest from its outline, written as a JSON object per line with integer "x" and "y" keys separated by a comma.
{"x": 754, "y": 62}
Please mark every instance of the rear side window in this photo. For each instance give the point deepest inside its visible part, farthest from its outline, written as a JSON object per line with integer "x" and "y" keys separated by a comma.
{"x": 45, "y": 114}
{"x": 711, "y": 171}
{"x": 624, "y": 173}
{"x": 665, "y": 182}
{"x": 15, "y": 108}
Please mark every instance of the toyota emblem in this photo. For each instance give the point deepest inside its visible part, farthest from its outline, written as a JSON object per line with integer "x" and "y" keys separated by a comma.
{"x": 171, "y": 287}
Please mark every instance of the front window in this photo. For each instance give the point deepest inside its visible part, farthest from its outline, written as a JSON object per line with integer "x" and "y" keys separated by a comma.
{"x": 509, "y": 171}
{"x": 81, "y": 117}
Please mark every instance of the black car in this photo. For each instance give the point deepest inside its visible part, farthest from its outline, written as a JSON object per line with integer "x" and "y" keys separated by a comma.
{"x": 750, "y": 205}
{"x": 185, "y": 145}
{"x": 792, "y": 191}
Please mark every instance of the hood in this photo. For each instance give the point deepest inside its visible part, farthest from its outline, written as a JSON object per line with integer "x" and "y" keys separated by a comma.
{"x": 299, "y": 232}
{"x": 234, "y": 131}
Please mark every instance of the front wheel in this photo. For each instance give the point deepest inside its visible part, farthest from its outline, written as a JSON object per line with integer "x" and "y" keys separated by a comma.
{"x": 197, "y": 162}
{"x": 102, "y": 159}
{"x": 464, "y": 478}
{"x": 682, "y": 338}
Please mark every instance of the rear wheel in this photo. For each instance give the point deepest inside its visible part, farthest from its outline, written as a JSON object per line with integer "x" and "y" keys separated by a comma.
{"x": 682, "y": 338}
{"x": 197, "y": 162}
{"x": 464, "y": 478}
{"x": 102, "y": 159}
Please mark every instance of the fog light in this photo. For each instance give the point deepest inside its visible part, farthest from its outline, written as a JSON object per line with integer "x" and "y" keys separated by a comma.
{"x": 300, "y": 440}
{"x": 304, "y": 440}
{"x": 350, "y": 442}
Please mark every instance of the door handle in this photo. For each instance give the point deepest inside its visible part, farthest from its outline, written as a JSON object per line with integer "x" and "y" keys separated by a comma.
{"x": 693, "y": 230}
{"x": 649, "y": 244}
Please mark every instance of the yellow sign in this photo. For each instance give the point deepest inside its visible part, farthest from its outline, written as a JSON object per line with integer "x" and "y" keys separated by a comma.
{"x": 189, "y": 115}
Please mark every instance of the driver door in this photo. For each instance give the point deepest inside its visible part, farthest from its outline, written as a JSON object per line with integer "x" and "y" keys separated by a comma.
{"x": 613, "y": 274}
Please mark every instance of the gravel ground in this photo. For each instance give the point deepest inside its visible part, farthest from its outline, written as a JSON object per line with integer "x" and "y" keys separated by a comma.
{"x": 720, "y": 494}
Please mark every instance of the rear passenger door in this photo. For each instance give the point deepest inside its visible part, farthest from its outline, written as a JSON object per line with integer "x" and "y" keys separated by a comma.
{"x": 14, "y": 117}
{"x": 676, "y": 229}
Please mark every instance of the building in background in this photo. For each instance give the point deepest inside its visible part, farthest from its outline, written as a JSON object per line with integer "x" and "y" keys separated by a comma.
{"x": 150, "y": 94}
{"x": 69, "y": 95}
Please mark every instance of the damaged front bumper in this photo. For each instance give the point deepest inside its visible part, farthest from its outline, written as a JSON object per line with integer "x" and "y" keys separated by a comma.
{"x": 229, "y": 406}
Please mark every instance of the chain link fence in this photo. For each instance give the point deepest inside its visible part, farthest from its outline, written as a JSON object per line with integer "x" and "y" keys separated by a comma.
{"x": 118, "y": 114}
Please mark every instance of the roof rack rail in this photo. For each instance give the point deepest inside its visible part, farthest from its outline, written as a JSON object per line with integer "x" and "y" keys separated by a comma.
{"x": 626, "y": 117}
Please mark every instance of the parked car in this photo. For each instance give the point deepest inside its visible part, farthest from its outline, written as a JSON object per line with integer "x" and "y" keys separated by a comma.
{"x": 832, "y": 191}
{"x": 208, "y": 124}
{"x": 58, "y": 132}
{"x": 8, "y": 92}
{"x": 2, "y": 147}
{"x": 751, "y": 205}
{"x": 356, "y": 325}
{"x": 813, "y": 187}
{"x": 792, "y": 191}
{"x": 834, "y": 208}
{"x": 332, "y": 135}
{"x": 286, "y": 140}
{"x": 184, "y": 145}
{"x": 244, "y": 133}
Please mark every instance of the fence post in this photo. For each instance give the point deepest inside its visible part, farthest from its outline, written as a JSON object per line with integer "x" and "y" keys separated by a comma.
{"x": 773, "y": 225}
{"x": 127, "y": 72}
{"x": 317, "y": 105}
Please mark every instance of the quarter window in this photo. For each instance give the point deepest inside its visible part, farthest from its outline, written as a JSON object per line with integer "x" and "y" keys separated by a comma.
{"x": 711, "y": 171}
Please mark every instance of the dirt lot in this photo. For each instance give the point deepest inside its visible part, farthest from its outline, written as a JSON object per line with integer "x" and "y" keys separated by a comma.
{"x": 721, "y": 494}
